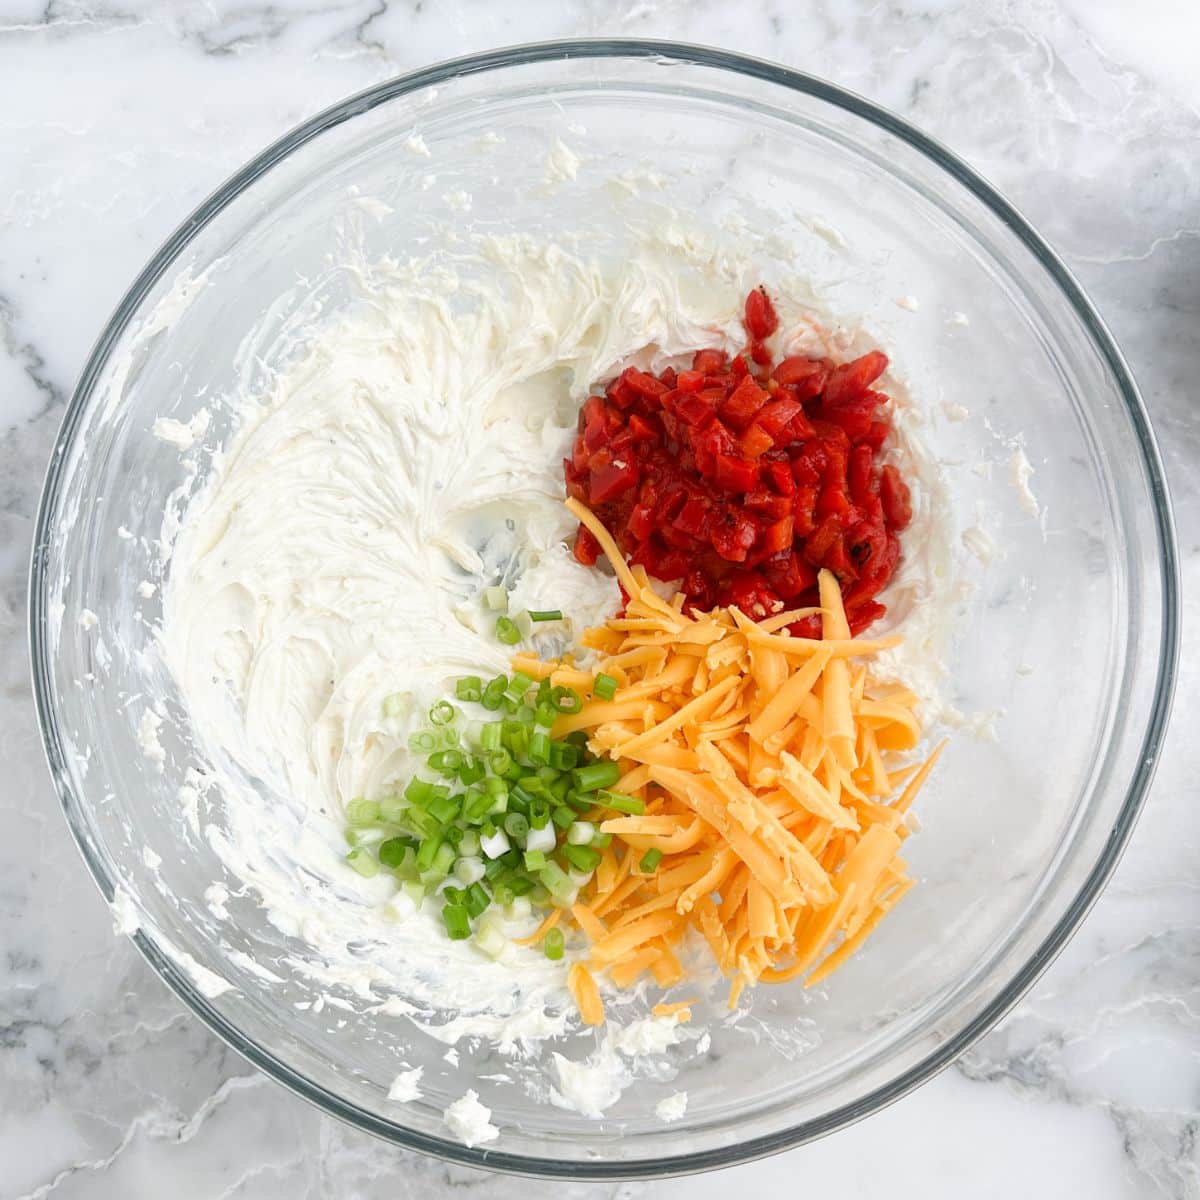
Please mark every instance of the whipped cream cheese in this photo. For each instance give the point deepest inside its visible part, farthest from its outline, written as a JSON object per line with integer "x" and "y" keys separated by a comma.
{"x": 404, "y": 455}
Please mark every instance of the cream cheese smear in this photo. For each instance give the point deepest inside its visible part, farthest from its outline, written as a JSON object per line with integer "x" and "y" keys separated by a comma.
{"x": 403, "y": 455}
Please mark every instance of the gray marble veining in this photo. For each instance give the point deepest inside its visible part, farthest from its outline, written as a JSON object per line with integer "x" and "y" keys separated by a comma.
{"x": 117, "y": 116}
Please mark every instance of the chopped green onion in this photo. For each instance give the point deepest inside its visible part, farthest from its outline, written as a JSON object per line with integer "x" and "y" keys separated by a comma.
{"x": 650, "y": 861}
{"x": 496, "y": 598}
{"x": 426, "y": 852}
{"x": 469, "y": 844}
{"x": 534, "y": 860}
{"x": 447, "y": 761}
{"x": 579, "y": 739}
{"x": 446, "y": 808}
{"x": 520, "y": 885}
{"x": 581, "y": 833}
{"x": 363, "y": 861}
{"x": 392, "y": 809}
{"x": 602, "y": 841}
{"x": 419, "y": 820}
{"x": 443, "y": 860}
{"x": 566, "y": 699}
{"x": 362, "y": 812}
{"x": 526, "y": 714}
{"x": 458, "y": 922}
{"x": 371, "y": 836}
{"x": 563, "y": 756}
{"x": 597, "y": 775}
{"x": 494, "y": 844}
{"x": 539, "y": 747}
{"x": 518, "y": 685}
{"x": 554, "y": 878}
{"x": 477, "y": 899}
{"x": 580, "y": 801}
{"x": 560, "y": 787}
{"x": 414, "y": 890}
{"x": 419, "y": 791}
{"x": 506, "y": 631}
{"x": 491, "y": 940}
{"x": 471, "y": 771}
{"x": 552, "y": 944}
{"x": 453, "y": 835}
{"x": 562, "y": 816}
{"x": 604, "y": 686}
{"x": 395, "y": 704}
{"x": 545, "y": 715}
{"x": 443, "y": 713}
{"x": 582, "y": 858}
{"x": 545, "y": 614}
{"x": 476, "y": 804}
{"x": 516, "y": 825}
{"x": 500, "y": 761}
{"x": 539, "y": 815}
{"x": 396, "y": 852}
{"x": 489, "y": 736}
{"x": 623, "y": 803}
{"x": 518, "y": 742}
{"x": 469, "y": 688}
{"x": 493, "y": 694}
{"x": 493, "y": 868}
{"x": 469, "y": 869}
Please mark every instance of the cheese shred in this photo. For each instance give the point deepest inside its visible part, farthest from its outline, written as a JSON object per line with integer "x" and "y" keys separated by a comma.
{"x": 775, "y": 779}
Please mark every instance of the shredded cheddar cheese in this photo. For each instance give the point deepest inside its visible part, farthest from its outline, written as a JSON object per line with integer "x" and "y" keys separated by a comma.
{"x": 769, "y": 766}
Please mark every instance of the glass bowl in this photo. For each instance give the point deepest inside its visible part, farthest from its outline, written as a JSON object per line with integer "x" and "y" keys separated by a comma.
{"x": 1065, "y": 644}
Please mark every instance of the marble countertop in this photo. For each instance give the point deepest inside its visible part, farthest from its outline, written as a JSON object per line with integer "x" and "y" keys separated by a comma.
{"x": 118, "y": 116}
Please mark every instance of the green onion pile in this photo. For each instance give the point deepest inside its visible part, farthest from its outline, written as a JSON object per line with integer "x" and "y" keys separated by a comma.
{"x": 496, "y": 816}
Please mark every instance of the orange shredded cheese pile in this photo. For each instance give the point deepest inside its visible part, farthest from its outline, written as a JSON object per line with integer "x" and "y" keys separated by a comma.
{"x": 774, "y": 776}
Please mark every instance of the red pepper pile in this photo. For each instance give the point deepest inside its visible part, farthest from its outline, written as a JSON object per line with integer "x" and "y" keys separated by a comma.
{"x": 743, "y": 477}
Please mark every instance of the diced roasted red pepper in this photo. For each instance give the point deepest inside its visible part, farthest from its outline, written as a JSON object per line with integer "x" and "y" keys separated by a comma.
{"x": 747, "y": 591}
{"x": 610, "y": 476}
{"x": 777, "y": 537}
{"x": 732, "y": 535}
{"x": 741, "y": 477}
{"x": 859, "y": 471}
{"x": 644, "y": 385}
{"x": 896, "y": 498}
{"x": 761, "y": 319}
{"x": 768, "y": 505}
{"x": 852, "y": 379}
{"x": 805, "y": 374}
{"x": 734, "y": 474}
{"x": 695, "y": 408}
{"x": 709, "y": 361}
{"x": 755, "y": 442}
{"x": 741, "y": 406}
{"x": 779, "y": 476}
{"x": 587, "y": 549}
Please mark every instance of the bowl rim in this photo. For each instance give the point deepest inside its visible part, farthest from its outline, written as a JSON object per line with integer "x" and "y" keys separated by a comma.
{"x": 737, "y": 64}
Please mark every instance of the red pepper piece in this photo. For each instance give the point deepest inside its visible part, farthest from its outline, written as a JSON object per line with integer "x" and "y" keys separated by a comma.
{"x": 741, "y": 406}
{"x": 896, "y": 498}
{"x": 735, "y": 474}
{"x": 755, "y": 442}
{"x": 732, "y": 535}
{"x": 610, "y": 476}
{"x": 586, "y": 549}
{"x": 761, "y": 320}
{"x": 708, "y": 362}
{"x": 852, "y": 379}
{"x": 776, "y": 416}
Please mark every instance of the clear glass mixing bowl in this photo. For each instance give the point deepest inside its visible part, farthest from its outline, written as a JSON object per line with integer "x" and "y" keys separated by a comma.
{"x": 1070, "y": 637}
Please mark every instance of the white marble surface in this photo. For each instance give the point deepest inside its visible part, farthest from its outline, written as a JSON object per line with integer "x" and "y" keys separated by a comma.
{"x": 117, "y": 116}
